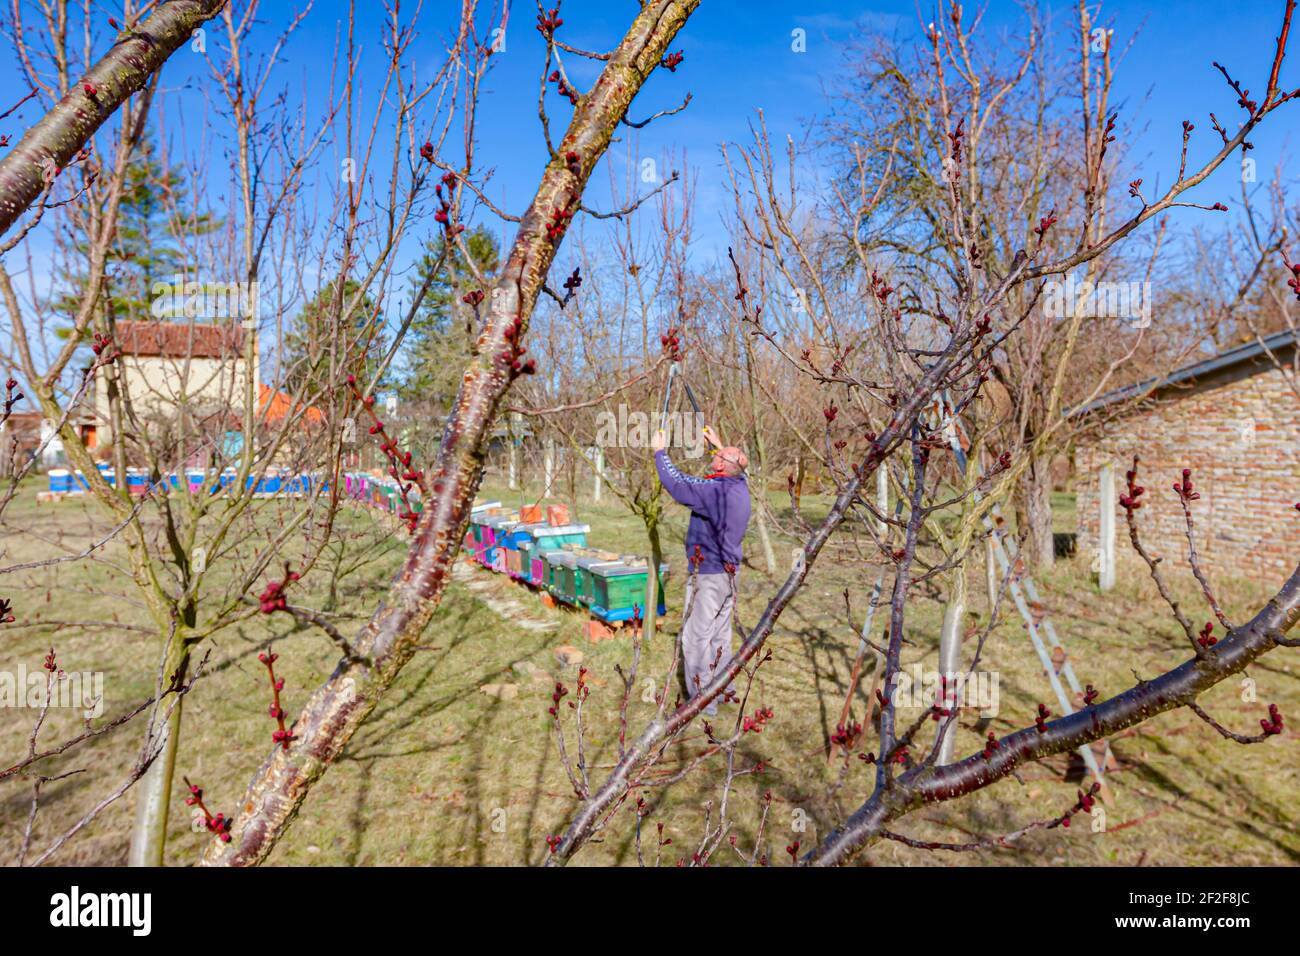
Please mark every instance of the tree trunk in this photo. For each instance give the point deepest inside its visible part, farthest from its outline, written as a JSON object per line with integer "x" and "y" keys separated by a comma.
{"x": 651, "y": 615}
{"x": 1038, "y": 513}
{"x": 760, "y": 520}
{"x": 338, "y": 707}
{"x": 52, "y": 143}
{"x": 950, "y": 635}
{"x": 153, "y": 792}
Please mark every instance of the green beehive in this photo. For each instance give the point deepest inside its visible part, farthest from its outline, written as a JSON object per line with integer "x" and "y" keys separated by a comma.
{"x": 551, "y": 561}
{"x": 562, "y": 581}
{"x": 619, "y": 589}
{"x": 585, "y": 582}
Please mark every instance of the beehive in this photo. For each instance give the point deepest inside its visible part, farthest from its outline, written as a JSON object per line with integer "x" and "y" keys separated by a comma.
{"x": 619, "y": 589}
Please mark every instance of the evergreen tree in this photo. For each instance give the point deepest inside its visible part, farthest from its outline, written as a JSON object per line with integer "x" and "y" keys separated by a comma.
{"x": 438, "y": 343}
{"x": 327, "y": 342}
{"x": 146, "y": 245}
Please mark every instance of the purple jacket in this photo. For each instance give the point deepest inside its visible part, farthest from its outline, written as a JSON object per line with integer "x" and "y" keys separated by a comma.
{"x": 719, "y": 514}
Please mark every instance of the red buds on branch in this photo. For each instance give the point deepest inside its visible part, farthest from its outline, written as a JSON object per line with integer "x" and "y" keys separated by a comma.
{"x": 272, "y": 599}
{"x": 560, "y": 693}
{"x": 563, "y": 88}
{"x": 283, "y": 735}
{"x": 991, "y": 745}
{"x": 672, "y": 344}
{"x": 549, "y": 22}
{"x": 1273, "y": 725}
{"x": 218, "y": 825}
{"x": 561, "y": 217}
{"x": 104, "y": 349}
{"x": 1294, "y": 282}
{"x": 846, "y": 735}
{"x": 1044, "y": 224}
{"x": 399, "y": 462}
{"x": 444, "y": 214}
{"x": 1084, "y": 804}
{"x": 12, "y": 398}
{"x": 1129, "y": 502}
{"x": 1041, "y": 720}
{"x": 755, "y": 724}
{"x": 513, "y": 356}
{"x": 1184, "y": 490}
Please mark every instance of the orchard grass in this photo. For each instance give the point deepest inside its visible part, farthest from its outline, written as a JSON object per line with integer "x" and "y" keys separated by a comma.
{"x": 446, "y": 774}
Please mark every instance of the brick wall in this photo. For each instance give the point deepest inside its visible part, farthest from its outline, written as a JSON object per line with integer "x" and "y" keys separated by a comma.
{"x": 1241, "y": 438}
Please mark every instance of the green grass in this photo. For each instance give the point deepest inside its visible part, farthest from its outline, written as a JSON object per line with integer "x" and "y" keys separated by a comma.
{"x": 443, "y": 773}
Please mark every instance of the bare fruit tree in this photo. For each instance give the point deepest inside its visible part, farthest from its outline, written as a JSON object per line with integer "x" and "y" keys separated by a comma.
{"x": 859, "y": 331}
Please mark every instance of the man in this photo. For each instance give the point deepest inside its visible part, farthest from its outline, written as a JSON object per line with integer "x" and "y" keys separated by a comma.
{"x": 720, "y": 509}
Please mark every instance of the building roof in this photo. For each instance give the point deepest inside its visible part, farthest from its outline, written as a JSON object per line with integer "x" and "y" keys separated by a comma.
{"x": 24, "y": 422}
{"x": 1242, "y": 361}
{"x": 278, "y": 404}
{"x": 180, "y": 339}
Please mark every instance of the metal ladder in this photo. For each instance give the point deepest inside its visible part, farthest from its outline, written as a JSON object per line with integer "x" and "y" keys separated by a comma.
{"x": 1022, "y": 586}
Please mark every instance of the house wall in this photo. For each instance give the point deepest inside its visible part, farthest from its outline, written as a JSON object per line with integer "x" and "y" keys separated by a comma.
{"x": 157, "y": 385}
{"x": 1241, "y": 438}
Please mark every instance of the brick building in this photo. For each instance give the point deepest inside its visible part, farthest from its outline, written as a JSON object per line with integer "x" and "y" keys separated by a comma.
{"x": 1233, "y": 419}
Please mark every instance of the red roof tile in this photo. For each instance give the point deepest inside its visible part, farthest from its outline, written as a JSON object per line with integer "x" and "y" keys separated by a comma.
{"x": 180, "y": 340}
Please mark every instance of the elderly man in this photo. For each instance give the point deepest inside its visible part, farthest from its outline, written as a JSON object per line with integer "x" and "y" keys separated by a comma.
{"x": 720, "y": 507}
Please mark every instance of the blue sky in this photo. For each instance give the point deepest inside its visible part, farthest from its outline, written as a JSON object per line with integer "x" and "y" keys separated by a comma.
{"x": 739, "y": 60}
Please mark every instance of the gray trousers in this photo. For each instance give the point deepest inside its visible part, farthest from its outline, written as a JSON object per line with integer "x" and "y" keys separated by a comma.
{"x": 706, "y": 632}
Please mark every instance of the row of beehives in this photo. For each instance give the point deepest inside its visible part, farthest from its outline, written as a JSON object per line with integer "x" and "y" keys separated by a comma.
{"x": 550, "y": 555}
{"x": 555, "y": 558}
{"x": 61, "y": 481}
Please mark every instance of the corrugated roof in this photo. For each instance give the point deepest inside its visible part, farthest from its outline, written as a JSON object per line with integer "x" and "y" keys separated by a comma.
{"x": 1256, "y": 353}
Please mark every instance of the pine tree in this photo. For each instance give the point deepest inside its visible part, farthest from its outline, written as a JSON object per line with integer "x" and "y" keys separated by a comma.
{"x": 326, "y": 342}
{"x": 443, "y": 332}
{"x": 145, "y": 247}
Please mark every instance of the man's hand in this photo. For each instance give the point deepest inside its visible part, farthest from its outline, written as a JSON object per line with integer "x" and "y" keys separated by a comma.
{"x": 659, "y": 441}
{"x": 711, "y": 437}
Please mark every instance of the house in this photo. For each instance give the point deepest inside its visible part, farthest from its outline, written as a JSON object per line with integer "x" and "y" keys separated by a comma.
{"x": 1234, "y": 420}
{"x": 23, "y": 433}
{"x": 167, "y": 366}
{"x": 194, "y": 376}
